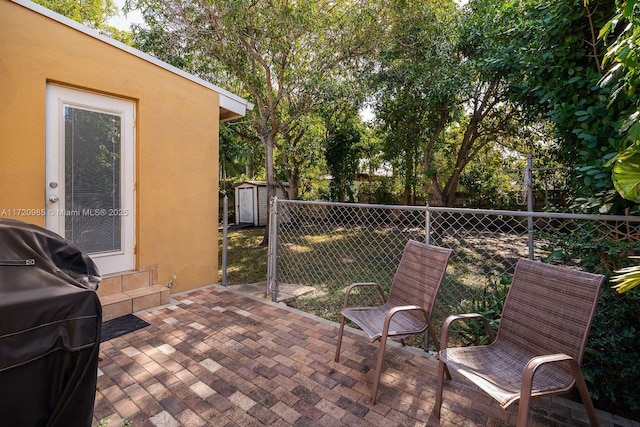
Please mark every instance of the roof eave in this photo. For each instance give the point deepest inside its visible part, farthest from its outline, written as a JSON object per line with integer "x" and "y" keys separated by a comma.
{"x": 231, "y": 106}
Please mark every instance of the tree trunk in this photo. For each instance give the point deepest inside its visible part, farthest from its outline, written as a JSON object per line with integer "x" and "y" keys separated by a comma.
{"x": 248, "y": 168}
{"x": 438, "y": 197}
{"x": 464, "y": 157}
{"x": 406, "y": 196}
{"x": 293, "y": 178}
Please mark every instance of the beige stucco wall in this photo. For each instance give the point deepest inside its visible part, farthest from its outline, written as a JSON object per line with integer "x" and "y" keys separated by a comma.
{"x": 176, "y": 154}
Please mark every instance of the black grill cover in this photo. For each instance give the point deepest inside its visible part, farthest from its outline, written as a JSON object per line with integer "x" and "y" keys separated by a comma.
{"x": 50, "y": 323}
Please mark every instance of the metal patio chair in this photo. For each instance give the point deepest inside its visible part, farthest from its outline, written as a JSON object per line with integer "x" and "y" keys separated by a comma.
{"x": 407, "y": 311}
{"x": 540, "y": 342}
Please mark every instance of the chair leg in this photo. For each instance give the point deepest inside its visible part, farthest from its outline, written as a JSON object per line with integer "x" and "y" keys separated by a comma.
{"x": 436, "y": 343}
{"x": 337, "y": 358}
{"x": 438, "y": 404}
{"x": 525, "y": 394}
{"x": 527, "y": 385}
{"x": 523, "y": 410}
{"x": 376, "y": 378}
{"x": 584, "y": 394}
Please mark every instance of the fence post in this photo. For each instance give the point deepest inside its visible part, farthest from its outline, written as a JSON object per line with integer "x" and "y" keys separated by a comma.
{"x": 225, "y": 227}
{"x": 427, "y": 225}
{"x": 272, "y": 284}
{"x": 528, "y": 183}
{"x": 427, "y": 240}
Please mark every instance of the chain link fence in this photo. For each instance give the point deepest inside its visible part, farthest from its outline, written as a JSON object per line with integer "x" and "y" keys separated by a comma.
{"x": 323, "y": 247}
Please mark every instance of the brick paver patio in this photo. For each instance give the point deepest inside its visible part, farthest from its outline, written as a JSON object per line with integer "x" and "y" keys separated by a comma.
{"x": 214, "y": 357}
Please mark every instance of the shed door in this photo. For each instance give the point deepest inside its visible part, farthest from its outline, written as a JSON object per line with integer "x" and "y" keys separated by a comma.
{"x": 245, "y": 204}
{"x": 89, "y": 174}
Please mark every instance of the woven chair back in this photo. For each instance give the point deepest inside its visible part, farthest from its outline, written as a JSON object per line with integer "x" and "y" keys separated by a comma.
{"x": 549, "y": 309}
{"x": 419, "y": 275}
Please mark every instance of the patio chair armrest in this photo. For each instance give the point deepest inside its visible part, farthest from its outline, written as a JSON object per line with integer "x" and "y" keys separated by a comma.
{"x": 360, "y": 284}
{"x": 465, "y": 316}
{"x": 535, "y": 362}
{"x": 395, "y": 310}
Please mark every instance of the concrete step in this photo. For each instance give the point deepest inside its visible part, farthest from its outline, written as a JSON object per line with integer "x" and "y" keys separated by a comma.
{"x": 129, "y": 292}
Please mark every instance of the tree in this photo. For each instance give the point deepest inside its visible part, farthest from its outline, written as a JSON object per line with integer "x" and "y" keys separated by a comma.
{"x": 300, "y": 153}
{"x": 343, "y": 133}
{"x": 239, "y": 156}
{"x": 343, "y": 157}
{"x": 403, "y": 139}
{"x": 92, "y": 13}
{"x": 415, "y": 83}
{"x": 279, "y": 51}
{"x": 428, "y": 85}
{"x": 550, "y": 55}
{"x": 624, "y": 75}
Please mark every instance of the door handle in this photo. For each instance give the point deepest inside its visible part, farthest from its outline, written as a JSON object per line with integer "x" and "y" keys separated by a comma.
{"x": 53, "y": 198}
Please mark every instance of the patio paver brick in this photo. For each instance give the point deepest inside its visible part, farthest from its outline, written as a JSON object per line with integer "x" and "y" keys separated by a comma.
{"x": 215, "y": 357}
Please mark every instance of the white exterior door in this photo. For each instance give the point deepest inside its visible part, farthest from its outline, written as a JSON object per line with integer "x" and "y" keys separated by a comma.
{"x": 90, "y": 176}
{"x": 245, "y": 205}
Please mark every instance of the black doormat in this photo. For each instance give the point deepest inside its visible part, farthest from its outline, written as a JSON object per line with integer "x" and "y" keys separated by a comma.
{"x": 120, "y": 326}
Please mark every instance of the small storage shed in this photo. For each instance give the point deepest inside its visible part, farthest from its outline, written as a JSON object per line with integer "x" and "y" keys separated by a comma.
{"x": 252, "y": 206}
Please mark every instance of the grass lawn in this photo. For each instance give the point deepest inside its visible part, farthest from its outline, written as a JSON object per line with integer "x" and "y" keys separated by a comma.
{"x": 247, "y": 263}
{"x": 246, "y": 259}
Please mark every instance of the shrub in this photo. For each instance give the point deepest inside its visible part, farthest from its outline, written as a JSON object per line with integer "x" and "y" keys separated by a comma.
{"x": 611, "y": 363}
{"x": 489, "y": 304}
{"x": 612, "y": 359}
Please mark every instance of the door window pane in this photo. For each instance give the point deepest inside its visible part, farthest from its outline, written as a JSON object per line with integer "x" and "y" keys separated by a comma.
{"x": 92, "y": 179}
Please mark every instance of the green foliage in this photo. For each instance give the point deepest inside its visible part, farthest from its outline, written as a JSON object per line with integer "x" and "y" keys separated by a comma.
{"x": 92, "y": 13}
{"x": 612, "y": 358}
{"x": 342, "y": 160}
{"x": 550, "y": 54}
{"x": 299, "y": 154}
{"x": 417, "y": 89}
{"x": 239, "y": 150}
{"x": 282, "y": 55}
{"x": 493, "y": 180}
{"x": 489, "y": 304}
{"x": 486, "y": 188}
{"x": 623, "y": 76}
{"x": 345, "y": 137}
{"x": 435, "y": 107}
{"x": 378, "y": 192}
{"x": 626, "y": 173}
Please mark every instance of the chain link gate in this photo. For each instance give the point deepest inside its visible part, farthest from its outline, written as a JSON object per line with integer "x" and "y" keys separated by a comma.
{"x": 326, "y": 246}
